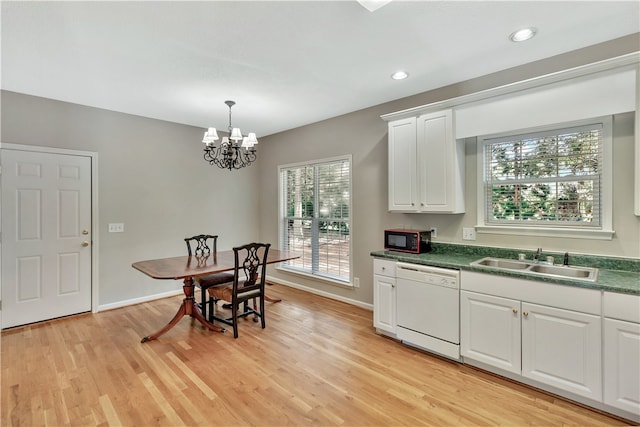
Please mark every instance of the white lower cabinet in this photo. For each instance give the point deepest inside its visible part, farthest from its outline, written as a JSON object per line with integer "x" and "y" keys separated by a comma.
{"x": 548, "y": 333}
{"x": 622, "y": 365}
{"x": 490, "y": 330}
{"x": 562, "y": 348}
{"x": 622, "y": 352}
{"x": 384, "y": 296}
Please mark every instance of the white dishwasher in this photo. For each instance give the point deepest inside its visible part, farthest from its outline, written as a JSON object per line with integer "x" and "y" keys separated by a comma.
{"x": 428, "y": 308}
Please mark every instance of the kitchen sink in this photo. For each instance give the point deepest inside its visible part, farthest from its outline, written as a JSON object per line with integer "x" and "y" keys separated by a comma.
{"x": 566, "y": 271}
{"x": 502, "y": 263}
{"x": 572, "y": 272}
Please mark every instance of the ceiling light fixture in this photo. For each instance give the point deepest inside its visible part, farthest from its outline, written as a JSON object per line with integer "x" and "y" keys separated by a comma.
{"x": 399, "y": 75}
{"x": 523, "y": 34}
{"x": 230, "y": 154}
{"x": 373, "y": 5}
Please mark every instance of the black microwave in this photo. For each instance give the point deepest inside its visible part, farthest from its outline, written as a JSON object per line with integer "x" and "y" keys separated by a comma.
{"x": 414, "y": 241}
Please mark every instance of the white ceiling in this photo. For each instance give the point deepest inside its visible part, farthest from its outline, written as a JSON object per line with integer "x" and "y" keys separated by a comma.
{"x": 286, "y": 63}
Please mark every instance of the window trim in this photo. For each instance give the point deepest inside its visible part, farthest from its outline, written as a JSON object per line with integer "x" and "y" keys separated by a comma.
{"x": 604, "y": 232}
{"x": 319, "y": 277}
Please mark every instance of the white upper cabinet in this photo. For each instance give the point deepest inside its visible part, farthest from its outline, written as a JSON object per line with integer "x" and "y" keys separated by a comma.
{"x": 403, "y": 152}
{"x": 426, "y": 165}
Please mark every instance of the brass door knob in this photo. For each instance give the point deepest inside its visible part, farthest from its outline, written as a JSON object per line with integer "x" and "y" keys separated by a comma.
{"x": 85, "y": 244}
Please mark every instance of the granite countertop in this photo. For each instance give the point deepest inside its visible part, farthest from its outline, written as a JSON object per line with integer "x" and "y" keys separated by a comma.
{"x": 620, "y": 275}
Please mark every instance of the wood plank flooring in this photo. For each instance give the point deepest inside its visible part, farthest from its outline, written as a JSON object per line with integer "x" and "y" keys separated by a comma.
{"x": 318, "y": 362}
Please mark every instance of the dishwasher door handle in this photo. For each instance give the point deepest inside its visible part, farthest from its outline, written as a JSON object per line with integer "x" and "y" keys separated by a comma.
{"x": 402, "y": 267}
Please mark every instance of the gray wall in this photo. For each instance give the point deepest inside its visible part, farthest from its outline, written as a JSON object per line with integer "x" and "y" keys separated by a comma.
{"x": 152, "y": 177}
{"x": 364, "y": 135}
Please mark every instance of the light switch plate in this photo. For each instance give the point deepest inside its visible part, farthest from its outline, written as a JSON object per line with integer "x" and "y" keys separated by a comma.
{"x": 116, "y": 228}
{"x": 468, "y": 233}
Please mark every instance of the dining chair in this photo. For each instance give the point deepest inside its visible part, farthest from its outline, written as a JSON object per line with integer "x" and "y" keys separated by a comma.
{"x": 248, "y": 285}
{"x": 204, "y": 245}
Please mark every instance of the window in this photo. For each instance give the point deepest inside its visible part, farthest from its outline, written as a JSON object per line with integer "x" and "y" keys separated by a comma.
{"x": 315, "y": 212}
{"x": 553, "y": 178}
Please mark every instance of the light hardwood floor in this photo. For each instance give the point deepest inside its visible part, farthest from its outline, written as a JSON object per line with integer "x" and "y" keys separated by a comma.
{"x": 318, "y": 362}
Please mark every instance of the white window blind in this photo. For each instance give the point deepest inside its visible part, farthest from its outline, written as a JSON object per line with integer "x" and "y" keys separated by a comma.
{"x": 315, "y": 209}
{"x": 550, "y": 178}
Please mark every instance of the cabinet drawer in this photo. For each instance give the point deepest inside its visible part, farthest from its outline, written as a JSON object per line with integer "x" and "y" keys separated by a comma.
{"x": 384, "y": 267}
{"x": 622, "y": 306}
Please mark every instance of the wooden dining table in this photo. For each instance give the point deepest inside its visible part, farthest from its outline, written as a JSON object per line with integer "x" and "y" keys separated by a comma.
{"x": 187, "y": 268}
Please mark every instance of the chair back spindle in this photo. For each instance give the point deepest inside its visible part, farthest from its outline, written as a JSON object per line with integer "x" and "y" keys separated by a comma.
{"x": 203, "y": 246}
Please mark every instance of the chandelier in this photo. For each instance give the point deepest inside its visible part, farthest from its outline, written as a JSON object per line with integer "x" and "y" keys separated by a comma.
{"x": 234, "y": 151}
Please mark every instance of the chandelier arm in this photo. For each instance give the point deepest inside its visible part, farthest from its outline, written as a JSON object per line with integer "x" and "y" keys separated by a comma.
{"x": 230, "y": 154}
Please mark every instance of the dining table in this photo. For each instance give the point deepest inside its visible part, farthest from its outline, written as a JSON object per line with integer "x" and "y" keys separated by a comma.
{"x": 187, "y": 269}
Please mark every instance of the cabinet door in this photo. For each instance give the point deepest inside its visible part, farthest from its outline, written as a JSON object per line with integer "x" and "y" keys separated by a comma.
{"x": 622, "y": 365}
{"x": 490, "y": 330}
{"x": 562, "y": 348}
{"x": 402, "y": 165}
{"x": 440, "y": 183}
{"x": 384, "y": 303}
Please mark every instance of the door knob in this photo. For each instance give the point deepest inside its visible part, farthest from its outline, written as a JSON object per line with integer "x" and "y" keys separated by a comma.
{"x": 85, "y": 244}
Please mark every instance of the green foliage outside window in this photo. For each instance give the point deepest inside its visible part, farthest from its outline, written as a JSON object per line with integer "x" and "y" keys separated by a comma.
{"x": 545, "y": 179}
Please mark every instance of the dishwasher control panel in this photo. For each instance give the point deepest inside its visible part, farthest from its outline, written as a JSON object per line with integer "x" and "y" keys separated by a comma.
{"x": 428, "y": 275}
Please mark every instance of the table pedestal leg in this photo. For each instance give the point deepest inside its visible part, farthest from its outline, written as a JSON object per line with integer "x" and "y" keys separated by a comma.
{"x": 268, "y": 298}
{"x": 187, "y": 308}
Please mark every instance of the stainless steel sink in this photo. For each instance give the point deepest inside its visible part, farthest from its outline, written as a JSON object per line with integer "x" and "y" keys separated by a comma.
{"x": 572, "y": 272}
{"x": 586, "y": 273}
{"x": 502, "y": 263}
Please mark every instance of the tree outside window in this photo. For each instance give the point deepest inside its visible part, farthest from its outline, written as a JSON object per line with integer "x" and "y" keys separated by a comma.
{"x": 550, "y": 178}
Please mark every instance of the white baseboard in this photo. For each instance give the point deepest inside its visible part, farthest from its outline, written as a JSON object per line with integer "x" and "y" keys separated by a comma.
{"x": 321, "y": 293}
{"x": 133, "y": 301}
{"x": 147, "y": 298}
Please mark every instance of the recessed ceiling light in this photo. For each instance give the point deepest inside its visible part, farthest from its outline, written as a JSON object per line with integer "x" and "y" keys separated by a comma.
{"x": 523, "y": 34}
{"x": 399, "y": 75}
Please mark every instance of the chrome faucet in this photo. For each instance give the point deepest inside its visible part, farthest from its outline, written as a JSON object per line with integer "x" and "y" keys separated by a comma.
{"x": 536, "y": 256}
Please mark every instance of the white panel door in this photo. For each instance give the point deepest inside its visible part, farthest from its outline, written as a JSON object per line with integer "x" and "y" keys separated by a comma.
{"x": 46, "y": 241}
{"x": 562, "y": 348}
{"x": 490, "y": 330}
{"x": 384, "y": 303}
{"x": 403, "y": 190}
{"x": 622, "y": 365}
{"x": 435, "y": 151}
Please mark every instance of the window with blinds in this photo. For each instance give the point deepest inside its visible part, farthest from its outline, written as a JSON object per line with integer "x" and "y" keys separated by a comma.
{"x": 315, "y": 212}
{"x": 550, "y": 178}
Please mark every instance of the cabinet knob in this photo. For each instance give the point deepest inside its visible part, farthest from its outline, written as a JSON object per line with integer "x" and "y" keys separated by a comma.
{"x": 85, "y": 244}
{"x": 525, "y": 314}
{"x": 515, "y": 311}
{"x": 421, "y": 204}
{"x": 384, "y": 268}
{"x": 412, "y": 204}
